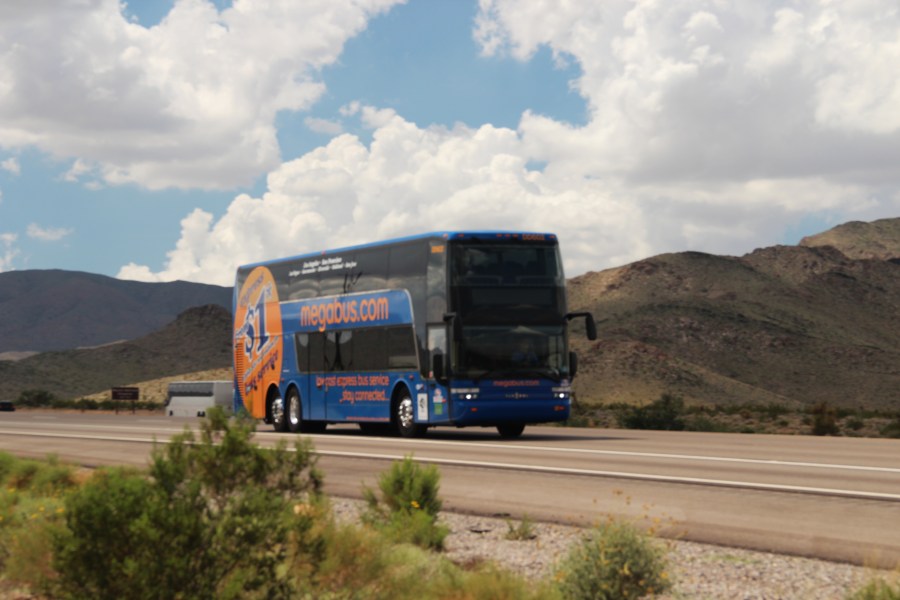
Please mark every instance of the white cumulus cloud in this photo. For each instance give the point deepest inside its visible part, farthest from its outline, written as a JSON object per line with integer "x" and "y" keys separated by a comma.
{"x": 711, "y": 126}
{"x": 190, "y": 102}
{"x": 47, "y": 234}
{"x": 8, "y": 251}
{"x": 11, "y": 165}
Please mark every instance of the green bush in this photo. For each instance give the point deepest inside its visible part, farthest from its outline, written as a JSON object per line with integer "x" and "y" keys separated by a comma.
{"x": 615, "y": 561}
{"x": 664, "y": 413}
{"x": 31, "y": 512}
{"x": 824, "y": 419}
{"x": 360, "y": 562}
{"x": 524, "y": 530}
{"x": 35, "y": 398}
{"x": 877, "y": 589}
{"x": 409, "y": 505}
{"x": 892, "y": 429}
{"x": 215, "y": 517}
{"x": 47, "y": 477}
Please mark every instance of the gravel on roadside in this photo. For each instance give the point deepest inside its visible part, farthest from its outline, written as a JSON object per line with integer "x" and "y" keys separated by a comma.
{"x": 698, "y": 570}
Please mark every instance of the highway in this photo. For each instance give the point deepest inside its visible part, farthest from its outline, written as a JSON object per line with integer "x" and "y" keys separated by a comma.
{"x": 832, "y": 498}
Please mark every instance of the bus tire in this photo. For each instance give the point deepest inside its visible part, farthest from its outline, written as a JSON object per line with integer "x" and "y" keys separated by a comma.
{"x": 510, "y": 430}
{"x": 276, "y": 411}
{"x": 294, "y": 412}
{"x": 404, "y": 417}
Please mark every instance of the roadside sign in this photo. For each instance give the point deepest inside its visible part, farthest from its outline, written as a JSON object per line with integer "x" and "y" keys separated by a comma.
{"x": 131, "y": 394}
{"x": 126, "y": 393}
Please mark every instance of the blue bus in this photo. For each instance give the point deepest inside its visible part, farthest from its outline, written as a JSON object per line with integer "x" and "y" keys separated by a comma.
{"x": 460, "y": 328}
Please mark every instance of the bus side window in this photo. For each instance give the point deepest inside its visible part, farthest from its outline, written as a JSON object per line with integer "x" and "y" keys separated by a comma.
{"x": 401, "y": 346}
{"x": 316, "y": 352}
{"x": 301, "y": 344}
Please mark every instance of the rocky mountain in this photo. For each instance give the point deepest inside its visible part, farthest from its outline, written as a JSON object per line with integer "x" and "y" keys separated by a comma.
{"x": 198, "y": 339}
{"x": 791, "y": 325}
{"x": 61, "y": 310}
{"x": 785, "y": 325}
{"x": 877, "y": 240}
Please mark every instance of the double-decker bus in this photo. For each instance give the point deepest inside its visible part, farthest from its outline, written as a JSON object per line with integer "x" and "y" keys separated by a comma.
{"x": 441, "y": 329}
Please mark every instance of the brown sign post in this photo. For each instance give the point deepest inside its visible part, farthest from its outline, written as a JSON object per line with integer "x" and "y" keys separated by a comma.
{"x": 126, "y": 393}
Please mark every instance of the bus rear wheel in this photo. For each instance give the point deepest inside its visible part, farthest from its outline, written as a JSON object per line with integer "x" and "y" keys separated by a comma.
{"x": 404, "y": 418}
{"x": 510, "y": 430}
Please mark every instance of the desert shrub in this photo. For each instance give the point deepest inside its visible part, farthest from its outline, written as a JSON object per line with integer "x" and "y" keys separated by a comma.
{"x": 855, "y": 423}
{"x": 892, "y": 429}
{"x": 214, "y": 517}
{"x": 523, "y": 530}
{"x": 705, "y": 424}
{"x": 362, "y": 562}
{"x": 47, "y": 477}
{"x": 409, "y": 505}
{"x": 29, "y": 525}
{"x": 824, "y": 419}
{"x": 615, "y": 561}
{"x": 877, "y": 589}
{"x": 773, "y": 410}
{"x": 31, "y": 511}
{"x": 665, "y": 413}
{"x": 52, "y": 478}
{"x": 36, "y": 398}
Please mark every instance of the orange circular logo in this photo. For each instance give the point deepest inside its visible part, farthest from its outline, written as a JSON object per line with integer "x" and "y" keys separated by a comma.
{"x": 257, "y": 340}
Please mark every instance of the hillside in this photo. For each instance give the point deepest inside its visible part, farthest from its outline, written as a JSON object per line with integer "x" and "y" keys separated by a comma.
{"x": 199, "y": 339}
{"x": 877, "y": 240}
{"x": 792, "y": 325}
{"x": 786, "y": 325}
{"x": 61, "y": 310}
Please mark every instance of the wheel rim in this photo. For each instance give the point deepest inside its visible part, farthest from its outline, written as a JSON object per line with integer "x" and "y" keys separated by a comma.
{"x": 277, "y": 410}
{"x": 405, "y": 413}
{"x": 294, "y": 410}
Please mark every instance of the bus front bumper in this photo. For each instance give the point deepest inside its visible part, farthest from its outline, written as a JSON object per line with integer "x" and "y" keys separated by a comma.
{"x": 493, "y": 412}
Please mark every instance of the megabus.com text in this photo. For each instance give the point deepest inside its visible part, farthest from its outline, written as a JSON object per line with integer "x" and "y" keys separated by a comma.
{"x": 344, "y": 311}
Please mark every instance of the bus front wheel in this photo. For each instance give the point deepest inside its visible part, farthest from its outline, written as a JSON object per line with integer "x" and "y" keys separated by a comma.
{"x": 510, "y": 430}
{"x": 294, "y": 415}
{"x": 276, "y": 412}
{"x": 404, "y": 417}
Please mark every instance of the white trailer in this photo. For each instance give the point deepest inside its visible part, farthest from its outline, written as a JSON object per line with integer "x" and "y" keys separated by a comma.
{"x": 194, "y": 398}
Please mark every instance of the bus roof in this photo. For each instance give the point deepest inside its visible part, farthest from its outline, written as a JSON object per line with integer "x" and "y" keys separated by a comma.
{"x": 446, "y": 235}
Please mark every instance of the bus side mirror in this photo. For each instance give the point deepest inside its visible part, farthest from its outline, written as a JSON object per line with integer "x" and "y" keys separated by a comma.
{"x": 589, "y": 323}
{"x": 573, "y": 365}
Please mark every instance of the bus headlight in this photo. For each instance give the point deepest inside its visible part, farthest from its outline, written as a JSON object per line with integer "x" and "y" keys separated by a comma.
{"x": 562, "y": 393}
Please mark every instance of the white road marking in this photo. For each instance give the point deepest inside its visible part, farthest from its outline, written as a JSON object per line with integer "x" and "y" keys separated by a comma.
{"x": 536, "y": 468}
{"x": 693, "y": 457}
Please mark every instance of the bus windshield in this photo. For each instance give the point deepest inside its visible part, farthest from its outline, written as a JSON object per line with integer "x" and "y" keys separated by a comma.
{"x": 504, "y": 351}
{"x": 510, "y": 300}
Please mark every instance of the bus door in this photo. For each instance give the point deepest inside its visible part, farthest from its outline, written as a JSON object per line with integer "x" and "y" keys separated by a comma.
{"x": 338, "y": 360}
{"x": 311, "y": 365}
{"x": 438, "y": 392}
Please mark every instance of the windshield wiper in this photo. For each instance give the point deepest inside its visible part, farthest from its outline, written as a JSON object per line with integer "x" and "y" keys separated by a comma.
{"x": 539, "y": 373}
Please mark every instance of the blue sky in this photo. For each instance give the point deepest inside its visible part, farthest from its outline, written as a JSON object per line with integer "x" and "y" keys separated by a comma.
{"x": 174, "y": 140}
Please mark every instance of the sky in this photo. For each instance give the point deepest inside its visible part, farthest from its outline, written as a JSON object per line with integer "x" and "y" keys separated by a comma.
{"x": 159, "y": 140}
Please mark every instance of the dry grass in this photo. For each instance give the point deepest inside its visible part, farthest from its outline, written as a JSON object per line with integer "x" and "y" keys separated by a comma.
{"x": 156, "y": 390}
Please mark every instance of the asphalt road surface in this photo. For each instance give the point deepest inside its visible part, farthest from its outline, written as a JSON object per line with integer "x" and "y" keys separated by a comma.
{"x": 832, "y": 498}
